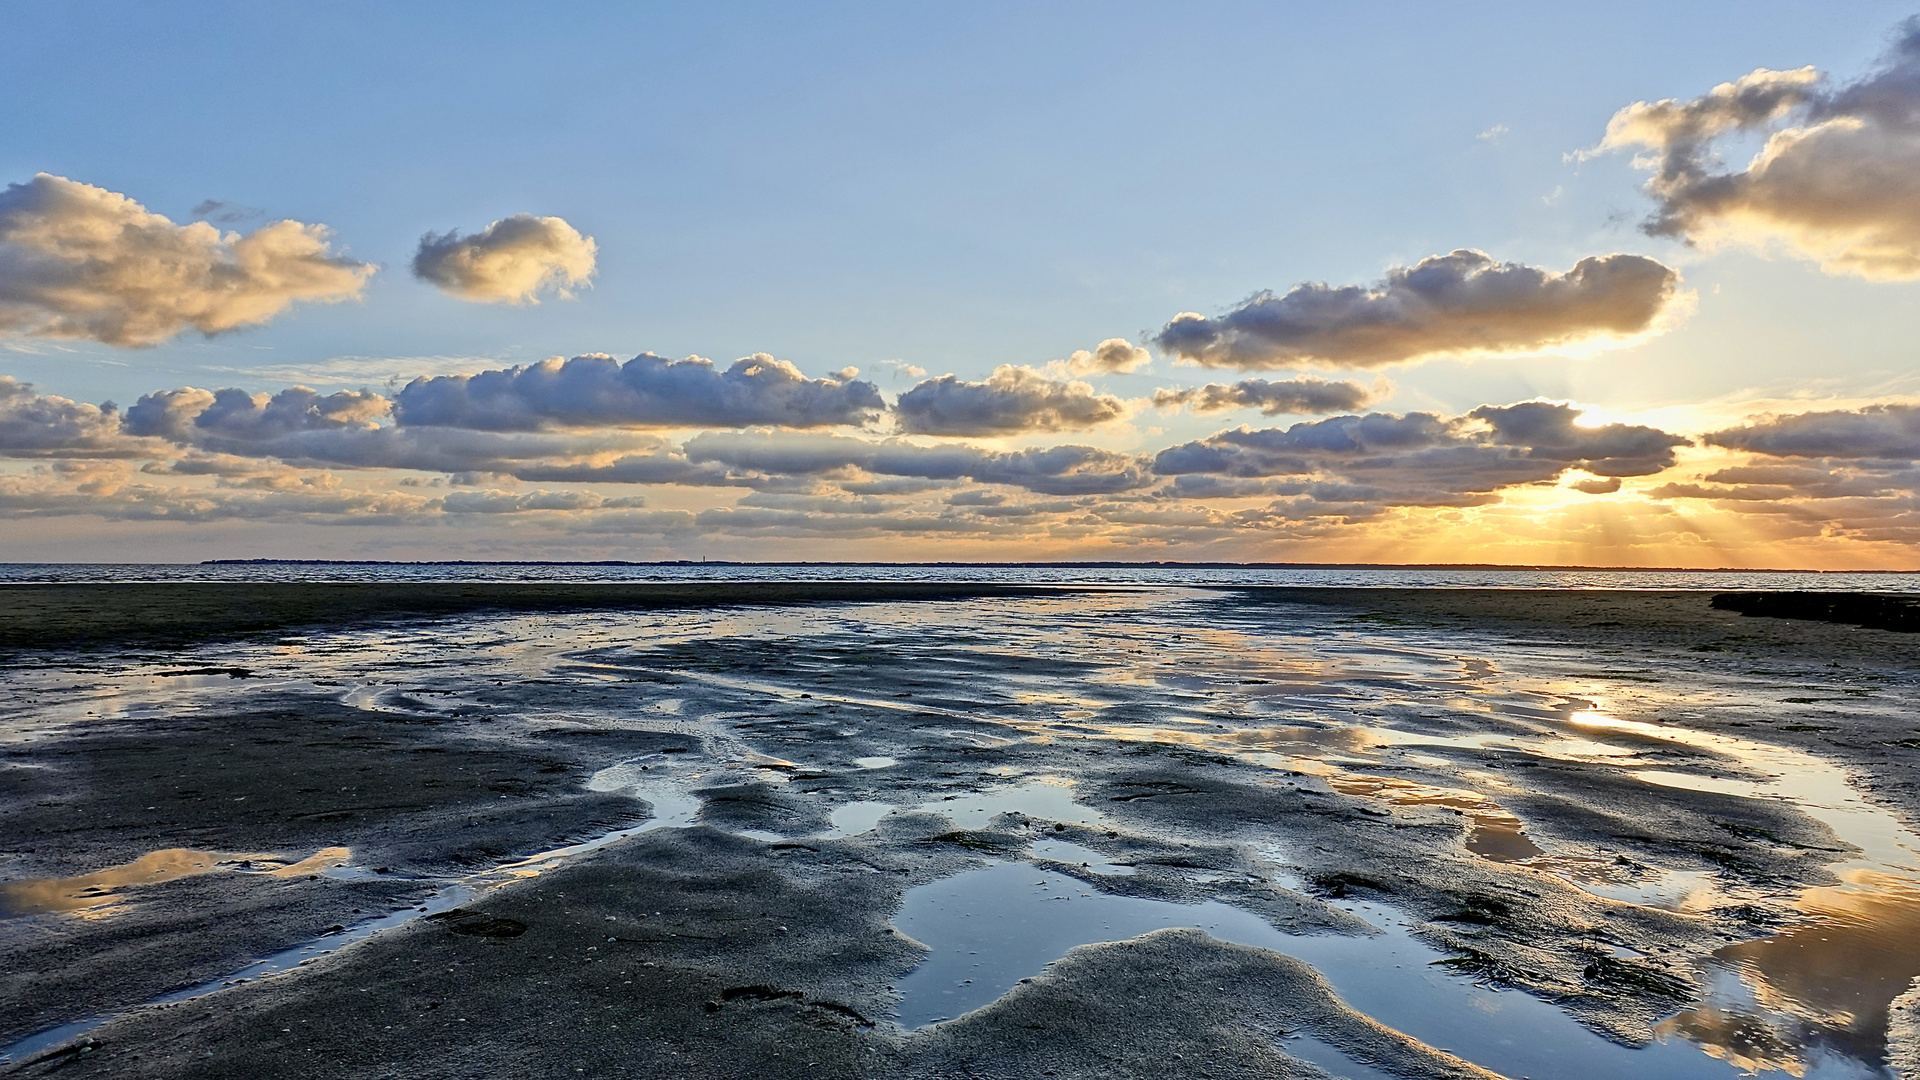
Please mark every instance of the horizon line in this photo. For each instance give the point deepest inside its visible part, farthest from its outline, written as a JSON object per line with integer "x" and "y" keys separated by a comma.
{"x": 1063, "y": 564}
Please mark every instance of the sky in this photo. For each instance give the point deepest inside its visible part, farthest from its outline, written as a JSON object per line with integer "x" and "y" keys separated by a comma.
{"x": 1612, "y": 284}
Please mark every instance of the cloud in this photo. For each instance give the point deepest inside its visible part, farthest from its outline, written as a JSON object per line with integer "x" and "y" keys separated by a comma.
{"x": 344, "y": 429}
{"x": 63, "y": 490}
{"x": 393, "y": 371}
{"x": 1461, "y": 304}
{"x": 521, "y": 502}
{"x": 1054, "y": 470}
{"x": 1597, "y": 487}
{"x": 1012, "y": 400}
{"x": 660, "y": 465}
{"x": 647, "y": 391}
{"x": 110, "y": 490}
{"x": 1872, "y": 501}
{"x": 303, "y": 456}
{"x": 1837, "y": 179}
{"x": 1307, "y": 395}
{"x": 1845, "y": 473}
{"x": 77, "y": 261}
{"x": 1415, "y": 459}
{"x": 902, "y": 369}
{"x": 1549, "y": 431}
{"x": 226, "y": 213}
{"x": 1876, "y": 431}
{"x": 32, "y": 425}
{"x": 1114, "y": 356}
{"x": 510, "y": 261}
{"x": 204, "y": 418}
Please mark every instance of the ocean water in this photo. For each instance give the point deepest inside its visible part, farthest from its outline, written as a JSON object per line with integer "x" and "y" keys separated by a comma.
{"x": 1020, "y": 573}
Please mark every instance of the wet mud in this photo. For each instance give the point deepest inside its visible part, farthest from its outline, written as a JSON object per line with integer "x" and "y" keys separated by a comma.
{"x": 1879, "y": 612}
{"x": 175, "y": 613}
{"x": 1129, "y": 833}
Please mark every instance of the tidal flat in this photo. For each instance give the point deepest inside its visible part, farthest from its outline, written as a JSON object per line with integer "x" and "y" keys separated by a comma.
{"x": 972, "y": 832}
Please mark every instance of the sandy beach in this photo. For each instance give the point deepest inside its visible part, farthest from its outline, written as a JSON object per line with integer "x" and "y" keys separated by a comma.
{"x": 918, "y": 831}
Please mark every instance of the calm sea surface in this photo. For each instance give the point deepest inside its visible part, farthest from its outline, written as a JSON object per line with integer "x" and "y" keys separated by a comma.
{"x": 1039, "y": 575}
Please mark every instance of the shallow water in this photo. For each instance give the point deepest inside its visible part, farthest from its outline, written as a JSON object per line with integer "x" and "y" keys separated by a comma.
{"x": 987, "y": 930}
{"x": 1120, "y": 574}
{"x": 100, "y": 894}
{"x": 1404, "y": 719}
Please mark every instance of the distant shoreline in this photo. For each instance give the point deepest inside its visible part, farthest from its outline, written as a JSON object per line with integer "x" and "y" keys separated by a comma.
{"x": 1096, "y": 564}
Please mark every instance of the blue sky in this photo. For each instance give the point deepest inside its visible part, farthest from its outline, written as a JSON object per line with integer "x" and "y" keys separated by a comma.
{"x": 953, "y": 187}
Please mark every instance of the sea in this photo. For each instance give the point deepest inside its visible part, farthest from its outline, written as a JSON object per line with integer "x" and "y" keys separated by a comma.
{"x": 1100, "y": 573}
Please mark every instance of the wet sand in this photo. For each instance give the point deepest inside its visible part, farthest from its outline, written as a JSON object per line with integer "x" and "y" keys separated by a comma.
{"x": 1564, "y": 815}
{"x": 1840, "y": 665}
{"x": 192, "y": 612}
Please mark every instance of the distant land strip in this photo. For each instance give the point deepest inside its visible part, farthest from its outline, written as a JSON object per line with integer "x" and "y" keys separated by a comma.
{"x": 1111, "y": 564}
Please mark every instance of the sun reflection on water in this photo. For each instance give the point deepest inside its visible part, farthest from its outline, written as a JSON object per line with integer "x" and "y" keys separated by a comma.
{"x": 103, "y": 893}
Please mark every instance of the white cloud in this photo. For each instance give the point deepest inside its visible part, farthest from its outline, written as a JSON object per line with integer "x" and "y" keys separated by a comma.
{"x": 511, "y": 261}
{"x": 1837, "y": 179}
{"x": 1012, "y": 400}
{"x": 78, "y": 261}
{"x": 358, "y": 370}
{"x": 1115, "y": 356}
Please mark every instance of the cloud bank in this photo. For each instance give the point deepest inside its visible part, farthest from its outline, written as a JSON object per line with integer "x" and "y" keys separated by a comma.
{"x": 1839, "y": 183}
{"x": 1415, "y": 459}
{"x": 1053, "y": 470}
{"x": 1011, "y": 401}
{"x": 1876, "y": 431}
{"x": 78, "y": 261}
{"x": 231, "y": 430}
{"x": 647, "y": 391}
{"x": 1303, "y": 396}
{"x": 1846, "y": 474}
{"x": 511, "y": 261}
{"x": 1460, "y": 304}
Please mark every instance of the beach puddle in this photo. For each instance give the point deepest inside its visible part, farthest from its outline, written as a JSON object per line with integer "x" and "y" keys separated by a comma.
{"x": 1329, "y": 1057}
{"x": 672, "y": 809}
{"x": 1049, "y": 798}
{"x": 1069, "y": 854}
{"x": 855, "y": 818}
{"x": 1492, "y": 834}
{"x": 103, "y": 892}
{"x": 1821, "y": 985}
{"x": 986, "y": 930}
{"x": 1667, "y": 890}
